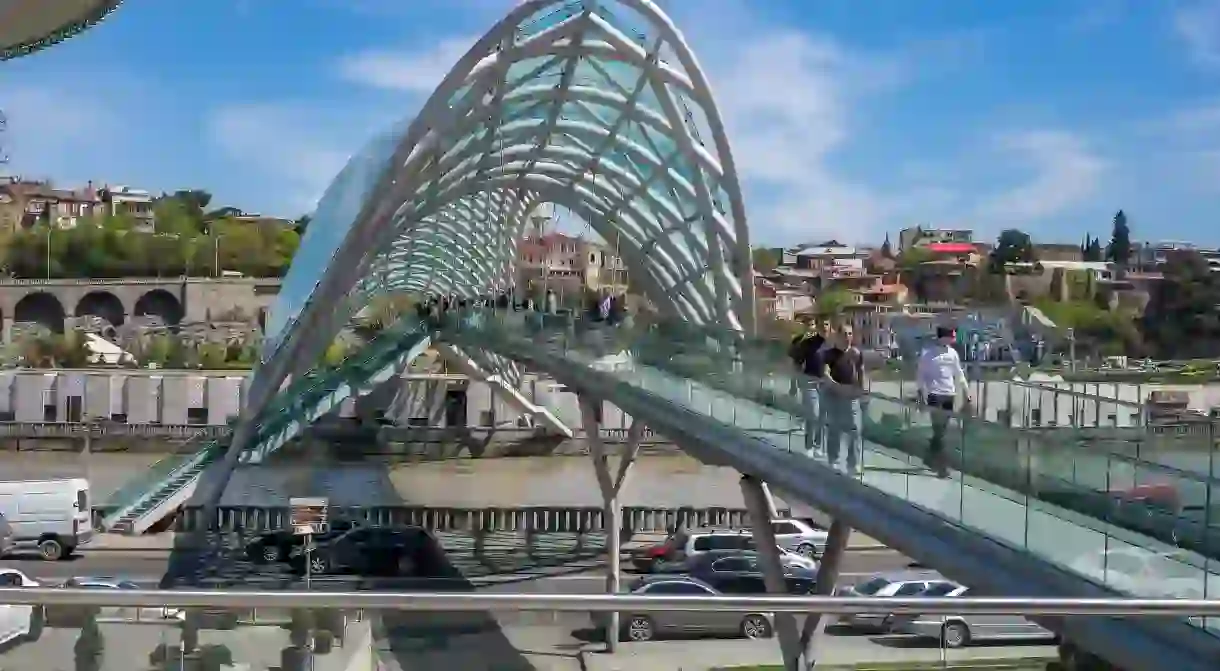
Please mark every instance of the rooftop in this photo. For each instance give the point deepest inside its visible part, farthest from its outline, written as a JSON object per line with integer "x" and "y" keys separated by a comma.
{"x": 27, "y": 26}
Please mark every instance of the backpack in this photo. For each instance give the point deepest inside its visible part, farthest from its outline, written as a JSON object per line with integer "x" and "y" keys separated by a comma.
{"x": 796, "y": 350}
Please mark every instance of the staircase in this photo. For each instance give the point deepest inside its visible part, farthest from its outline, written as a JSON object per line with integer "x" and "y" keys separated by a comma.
{"x": 170, "y": 482}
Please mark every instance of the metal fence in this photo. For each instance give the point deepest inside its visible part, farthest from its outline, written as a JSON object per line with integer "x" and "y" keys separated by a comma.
{"x": 531, "y": 519}
{"x": 476, "y": 601}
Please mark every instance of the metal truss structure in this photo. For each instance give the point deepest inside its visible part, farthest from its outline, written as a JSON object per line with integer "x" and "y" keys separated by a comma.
{"x": 597, "y": 106}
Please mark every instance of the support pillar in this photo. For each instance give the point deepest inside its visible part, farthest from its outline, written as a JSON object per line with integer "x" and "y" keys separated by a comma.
{"x": 828, "y": 575}
{"x": 611, "y": 486}
{"x": 757, "y": 503}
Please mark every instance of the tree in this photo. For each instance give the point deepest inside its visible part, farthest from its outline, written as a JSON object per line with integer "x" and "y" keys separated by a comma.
{"x": 1182, "y": 319}
{"x": 765, "y": 260}
{"x": 1119, "y": 249}
{"x": 1013, "y": 246}
{"x": 829, "y": 306}
{"x": 1091, "y": 250}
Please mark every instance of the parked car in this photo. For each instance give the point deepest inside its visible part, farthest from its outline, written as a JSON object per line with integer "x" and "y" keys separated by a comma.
{"x": 792, "y": 535}
{"x": 957, "y": 631}
{"x": 647, "y": 626}
{"x": 51, "y": 516}
{"x": 900, "y": 584}
{"x": 800, "y": 537}
{"x": 786, "y": 557}
{"x": 278, "y": 546}
{"x": 740, "y": 574}
{"x": 74, "y": 616}
{"x": 19, "y": 622}
{"x": 382, "y": 551}
{"x": 683, "y": 545}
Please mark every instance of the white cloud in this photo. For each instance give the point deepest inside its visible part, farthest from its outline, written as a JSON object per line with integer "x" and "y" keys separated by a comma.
{"x": 1065, "y": 172}
{"x": 41, "y": 127}
{"x": 412, "y": 72}
{"x": 1198, "y": 26}
{"x": 270, "y": 140}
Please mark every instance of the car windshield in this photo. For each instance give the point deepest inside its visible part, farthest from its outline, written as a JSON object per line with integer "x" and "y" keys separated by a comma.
{"x": 872, "y": 586}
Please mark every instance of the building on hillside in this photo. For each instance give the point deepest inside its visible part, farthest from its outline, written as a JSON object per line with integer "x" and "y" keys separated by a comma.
{"x": 918, "y": 236}
{"x": 816, "y": 257}
{"x": 945, "y": 276}
{"x": 778, "y": 300}
{"x": 569, "y": 266}
{"x": 125, "y": 201}
{"x": 28, "y": 203}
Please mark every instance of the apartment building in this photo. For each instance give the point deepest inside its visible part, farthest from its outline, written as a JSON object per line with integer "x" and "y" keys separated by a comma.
{"x": 569, "y": 266}
{"x": 918, "y": 236}
{"x": 125, "y": 201}
{"x": 28, "y": 203}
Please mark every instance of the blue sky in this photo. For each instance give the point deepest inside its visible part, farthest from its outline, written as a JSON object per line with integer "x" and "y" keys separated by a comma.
{"x": 847, "y": 118}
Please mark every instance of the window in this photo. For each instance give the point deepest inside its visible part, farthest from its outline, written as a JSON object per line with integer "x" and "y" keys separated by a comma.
{"x": 703, "y": 543}
{"x": 9, "y": 580}
{"x": 784, "y": 528}
{"x": 677, "y": 588}
{"x": 734, "y": 565}
{"x": 196, "y": 416}
{"x": 75, "y": 408}
{"x": 873, "y": 586}
{"x": 727, "y": 542}
{"x": 940, "y": 589}
{"x": 911, "y": 589}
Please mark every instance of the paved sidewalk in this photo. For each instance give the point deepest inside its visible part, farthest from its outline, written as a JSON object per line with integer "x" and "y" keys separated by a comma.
{"x": 703, "y": 655}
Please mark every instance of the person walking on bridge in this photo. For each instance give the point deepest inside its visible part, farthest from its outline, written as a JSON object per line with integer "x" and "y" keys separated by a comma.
{"x": 940, "y": 377}
{"x": 806, "y": 353}
{"x": 841, "y": 402}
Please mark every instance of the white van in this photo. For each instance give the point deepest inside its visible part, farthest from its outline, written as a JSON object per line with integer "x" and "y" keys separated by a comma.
{"x": 52, "y": 516}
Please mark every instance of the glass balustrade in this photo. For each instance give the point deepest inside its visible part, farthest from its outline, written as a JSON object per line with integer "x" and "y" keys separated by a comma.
{"x": 338, "y": 628}
{"x": 1131, "y": 524}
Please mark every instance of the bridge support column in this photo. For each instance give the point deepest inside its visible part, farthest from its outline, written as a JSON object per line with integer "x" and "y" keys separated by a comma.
{"x": 758, "y": 503}
{"x": 828, "y": 574}
{"x": 611, "y": 486}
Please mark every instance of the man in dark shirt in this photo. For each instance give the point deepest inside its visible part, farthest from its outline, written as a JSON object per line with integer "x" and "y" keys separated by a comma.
{"x": 807, "y": 354}
{"x": 841, "y": 403}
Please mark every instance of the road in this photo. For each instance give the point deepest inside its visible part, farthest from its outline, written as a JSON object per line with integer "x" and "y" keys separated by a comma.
{"x": 576, "y": 577}
{"x": 532, "y": 640}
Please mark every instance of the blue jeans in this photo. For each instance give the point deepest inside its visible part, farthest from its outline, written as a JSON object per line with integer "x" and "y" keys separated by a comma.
{"x": 842, "y": 421}
{"x": 814, "y": 421}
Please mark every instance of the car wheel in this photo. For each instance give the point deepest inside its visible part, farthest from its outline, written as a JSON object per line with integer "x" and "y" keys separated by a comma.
{"x": 270, "y": 554}
{"x": 318, "y": 564}
{"x": 955, "y": 635}
{"x": 406, "y": 566}
{"x": 639, "y": 628}
{"x": 38, "y": 622}
{"x": 756, "y": 626}
{"x": 807, "y": 550}
{"x": 50, "y": 549}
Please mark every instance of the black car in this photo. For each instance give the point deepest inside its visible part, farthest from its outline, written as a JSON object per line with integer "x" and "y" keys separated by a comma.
{"x": 740, "y": 574}
{"x": 409, "y": 552}
{"x": 278, "y": 546}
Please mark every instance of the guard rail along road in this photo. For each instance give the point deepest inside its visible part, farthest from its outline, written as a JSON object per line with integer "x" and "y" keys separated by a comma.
{"x": 530, "y": 519}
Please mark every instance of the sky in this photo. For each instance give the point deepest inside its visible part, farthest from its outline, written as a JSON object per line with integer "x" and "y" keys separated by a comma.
{"x": 847, "y": 119}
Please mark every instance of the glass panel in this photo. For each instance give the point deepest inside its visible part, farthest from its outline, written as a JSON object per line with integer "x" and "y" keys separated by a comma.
{"x": 1031, "y": 490}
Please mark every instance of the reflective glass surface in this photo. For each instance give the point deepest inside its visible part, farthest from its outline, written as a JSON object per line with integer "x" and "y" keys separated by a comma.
{"x": 1126, "y": 522}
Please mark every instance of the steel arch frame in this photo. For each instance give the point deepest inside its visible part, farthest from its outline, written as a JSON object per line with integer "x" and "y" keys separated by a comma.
{"x": 450, "y": 202}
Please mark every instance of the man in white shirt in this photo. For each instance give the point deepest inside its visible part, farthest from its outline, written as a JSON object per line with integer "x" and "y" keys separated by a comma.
{"x": 940, "y": 377}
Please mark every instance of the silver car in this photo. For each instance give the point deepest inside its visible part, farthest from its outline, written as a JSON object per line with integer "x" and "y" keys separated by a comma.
{"x": 956, "y": 631}
{"x": 898, "y": 584}
{"x": 647, "y": 626}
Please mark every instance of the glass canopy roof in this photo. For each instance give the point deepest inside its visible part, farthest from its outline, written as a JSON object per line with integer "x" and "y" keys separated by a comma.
{"x": 597, "y": 106}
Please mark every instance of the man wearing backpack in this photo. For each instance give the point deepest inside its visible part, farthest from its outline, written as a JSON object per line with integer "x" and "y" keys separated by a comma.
{"x": 806, "y": 353}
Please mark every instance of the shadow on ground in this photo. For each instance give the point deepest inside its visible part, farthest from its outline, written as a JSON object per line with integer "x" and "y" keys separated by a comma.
{"x": 469, "y": 641}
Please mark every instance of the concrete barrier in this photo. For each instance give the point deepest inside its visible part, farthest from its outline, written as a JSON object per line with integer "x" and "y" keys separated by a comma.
{"x": 527, "y": 520}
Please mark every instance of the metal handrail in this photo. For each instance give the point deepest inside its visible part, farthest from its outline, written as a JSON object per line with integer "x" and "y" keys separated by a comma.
{"x": 466, "y": 601}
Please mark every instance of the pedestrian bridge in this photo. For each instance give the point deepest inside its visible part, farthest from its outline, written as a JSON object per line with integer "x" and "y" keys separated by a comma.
{"x": 602, "y": 108}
